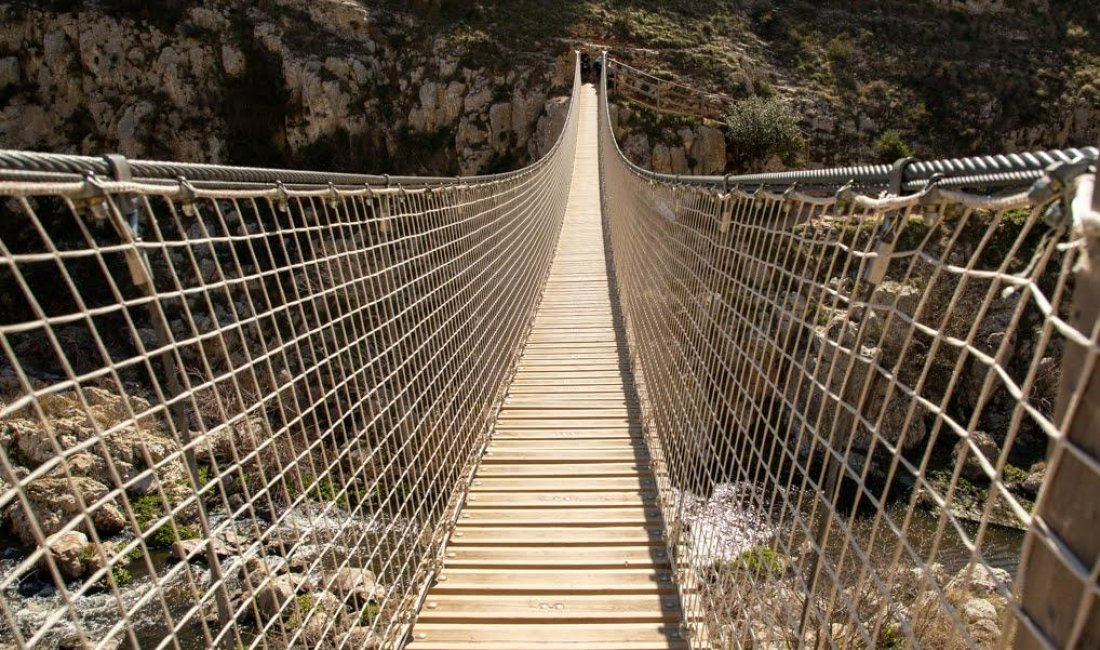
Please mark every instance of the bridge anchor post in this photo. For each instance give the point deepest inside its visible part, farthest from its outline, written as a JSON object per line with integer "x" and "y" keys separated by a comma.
{"x": 1060, "y": 564}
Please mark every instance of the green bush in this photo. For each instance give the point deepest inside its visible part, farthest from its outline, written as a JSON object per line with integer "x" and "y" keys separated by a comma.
{"x": 369, "y": 613}
{"x": 148, "y": 509}
{"x": 122, "y": 576}
{"x": 839, "y": 50}
{"x": 765, "y": 90}
{"x": 760, "y": 128}
{"x": 890, "y": 147}
{"x": 762, "y": 563}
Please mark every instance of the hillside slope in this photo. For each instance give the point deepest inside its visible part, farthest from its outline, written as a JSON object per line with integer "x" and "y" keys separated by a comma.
{"x": 452, "y": 86}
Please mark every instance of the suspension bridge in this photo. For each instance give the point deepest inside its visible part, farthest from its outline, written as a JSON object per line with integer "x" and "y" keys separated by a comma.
{"x": 578, "y": 405}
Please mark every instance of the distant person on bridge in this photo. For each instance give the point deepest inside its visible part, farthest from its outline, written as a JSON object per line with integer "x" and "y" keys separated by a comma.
{"x": 586, "y": 66}
{"x": 597, "y": 67}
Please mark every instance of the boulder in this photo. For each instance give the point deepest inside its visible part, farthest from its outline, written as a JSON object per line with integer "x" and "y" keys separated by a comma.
{"x": 500, "y": 124}
{"x": 1035, "y": 479}
{"x": 979, "y": 580}
{"x": 971, "y": 466}
{"x": 662, "y": 160}
{"x": 233, "y": 61}
{"x": 362, "y": 638}
{"x": 358, "y": 585}
{"x": 185, "y": 550}
{"x": 678, "y": 160}
{"x": 274, "y": 594}
{"x": 979, "y": 609}
{"x": 53, "y": 503}
{"x": 637, "y": 150}
{"x": 124, "y": 437}
{"x": 98, "y": 557}
{"x": 9, "y": 72}
{"x": 550, "y": 125}
{"x": 709, "y": 150}
{"x": 67, "y": 550}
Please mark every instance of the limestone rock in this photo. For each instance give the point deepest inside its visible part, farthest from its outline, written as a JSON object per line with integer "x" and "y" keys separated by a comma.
{"x": 271, "y": 597}
{"x": 979, "y": 609}
{"x": 67, "y": 552}
{"x": 662, "y": 160}
{"x": 678, "y": 159}
{"x": 525, "y": 113}
{"x": 182, "y": 550}
{"x": 987, "y": 447}
{"x": 233, "y": 61}
{"x": 475, "y": 102}
{"x": 360, "y": 585}
{"x": 636, "y": 149}
{"x": 500, "y": 123}
{"x": 53, "y": 503}
{"x": 363, "y": 638}
{"x": 550, "y": 125}
{"x": 10, "y": 74}
{"x": 1035, "y": 479}
{"x": 979, "y": 580}
{"x": 709, "y": 150}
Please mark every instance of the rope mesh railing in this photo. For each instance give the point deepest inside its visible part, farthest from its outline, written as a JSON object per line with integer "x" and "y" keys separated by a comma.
{"x": 853, "y": 405}
{"x": 244, "y": 416}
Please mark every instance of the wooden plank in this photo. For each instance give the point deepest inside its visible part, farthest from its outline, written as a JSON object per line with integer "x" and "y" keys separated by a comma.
{"x": 555, "y": 536}
{"x": 625, "y": 454}
{"x": 579, "y": 636}
{"x": 622, "y": 498}
{"x": 631, "y": 608}
{"x": 573, "y": 433}
{"x": 603, "y": 516}
{"x": 573, "y": 424}
{"x": 502, "y": 444}
{"x": 522, "y": 581}
{"x": 627, "y": 469}
{"x": 561, "y": 484}
{"x": 559, "y": 543}
{"x": 556, "y": 557}
{"x": 562, "y": 416}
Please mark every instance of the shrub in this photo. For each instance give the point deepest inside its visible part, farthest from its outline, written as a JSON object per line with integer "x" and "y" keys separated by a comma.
{"x": 369, "y": 613}
{"x": 761, "y": 563}
{"x": 148, "y": 509}
{"x": 760, "y": 128}
{"x": 765, "y": 90}
{"x": 890, "y": 147}
{"x": 122, "y": 576}
{"x": 839, "y": 50}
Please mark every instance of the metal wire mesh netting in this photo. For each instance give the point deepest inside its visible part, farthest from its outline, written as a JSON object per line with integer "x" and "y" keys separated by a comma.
{"x": 243, "y": 417}
{"x": 850, "y": 402}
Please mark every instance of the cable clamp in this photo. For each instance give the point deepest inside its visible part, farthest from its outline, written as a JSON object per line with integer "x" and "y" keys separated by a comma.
{"x": 93, "y": 198}
{"x": 187, "y": 197}
{"x": 121, "y": 172}
{"x": 1054, "y": 182}
{"x": 333, "y": 198}
{"x": 845, "y": 197}
{"x": 931, "y": 197}
{"x": 282, "y": 198}
{"x": 897, "y": 174}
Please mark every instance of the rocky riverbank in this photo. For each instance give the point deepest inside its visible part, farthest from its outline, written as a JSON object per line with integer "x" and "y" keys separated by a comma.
{"x": 754, "y": 576}
{"x": 306, "y": 558}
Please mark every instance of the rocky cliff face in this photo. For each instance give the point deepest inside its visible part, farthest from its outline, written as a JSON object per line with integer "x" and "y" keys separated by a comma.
{"x": 327, "y": 84}
{"x": 669, "y": 144}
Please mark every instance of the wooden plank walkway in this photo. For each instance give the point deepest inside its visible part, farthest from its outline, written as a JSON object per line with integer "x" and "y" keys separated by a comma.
{"x": 560, "y": 542}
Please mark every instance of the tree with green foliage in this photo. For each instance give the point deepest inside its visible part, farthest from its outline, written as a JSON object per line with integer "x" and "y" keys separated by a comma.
{"x": 759, "y": 128}
{"x": 890, "y": 147}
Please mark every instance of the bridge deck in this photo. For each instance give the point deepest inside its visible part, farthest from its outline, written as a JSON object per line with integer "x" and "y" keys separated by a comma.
{"x": 559, "y": 544}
